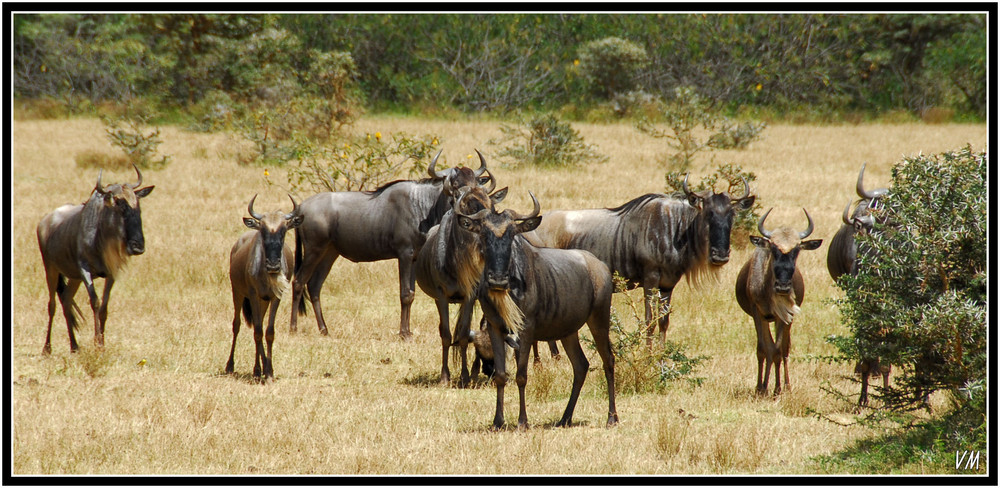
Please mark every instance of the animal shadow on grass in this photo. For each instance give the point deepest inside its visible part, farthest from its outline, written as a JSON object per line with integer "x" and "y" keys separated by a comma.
{"x": 432, "y": 379}
{"x": 247, "y": 378}
{"x": 509, "y": 426}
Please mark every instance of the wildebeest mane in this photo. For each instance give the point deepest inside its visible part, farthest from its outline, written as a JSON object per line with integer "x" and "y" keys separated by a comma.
{"x": 378, "y": 191}
{"x": 635, "y": 203}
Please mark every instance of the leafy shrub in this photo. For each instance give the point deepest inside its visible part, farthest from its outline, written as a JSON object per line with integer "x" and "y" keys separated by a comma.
{"x": 612, "y": 64}
{"x": 639, "y": 368}
{"x": 546, "y": 141}
{"x": 919, "y": 298}
{"x": 732, "y": 175}
{"x": 683, "y": 115}
{"x": 359, "y": 163}
{"x": 126, "y": 132}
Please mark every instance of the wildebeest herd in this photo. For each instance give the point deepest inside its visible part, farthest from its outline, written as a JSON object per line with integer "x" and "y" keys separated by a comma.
{"x": 536, "y": 276}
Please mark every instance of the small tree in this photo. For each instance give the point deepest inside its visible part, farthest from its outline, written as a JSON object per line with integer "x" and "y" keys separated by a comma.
{"x": 126, "y": 133}
{"x": 547, "y": 141}
{"x": 612, "y": 65}
{"x": 920, "y": 296}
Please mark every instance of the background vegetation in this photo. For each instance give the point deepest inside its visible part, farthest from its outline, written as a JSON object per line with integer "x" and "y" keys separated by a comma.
{"x": 808, "y": 66}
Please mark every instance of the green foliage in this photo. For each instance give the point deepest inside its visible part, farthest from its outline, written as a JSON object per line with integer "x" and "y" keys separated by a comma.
{"x": 736, "y": 136}
{"x": 640, "y": 368}
{"x": 919, "y": 298}
{"x": 544, "y": 140}
{"x": 732, "y": 175}
{"x": 126, "y": 133}
{"x": 611, "y": 65}
{"x": 360, "y": 163}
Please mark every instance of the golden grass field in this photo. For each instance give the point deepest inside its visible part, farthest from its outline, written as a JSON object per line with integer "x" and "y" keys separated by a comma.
{"x": 361, "y": 401}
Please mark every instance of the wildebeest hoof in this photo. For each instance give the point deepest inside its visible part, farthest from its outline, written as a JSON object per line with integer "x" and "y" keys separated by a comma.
{"x": 406, "y": 336}
{"x": 324, "y": 332}
{"x": 612, "y": 420}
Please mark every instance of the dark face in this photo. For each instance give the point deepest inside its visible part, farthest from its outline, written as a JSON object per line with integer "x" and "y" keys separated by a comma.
{"x": 124, "y": 202}
{"x": 496, "y": 236}
{"x": 719, "y": 212}
{"x": 272, "y": 229}
{"x": 783, "y": 262}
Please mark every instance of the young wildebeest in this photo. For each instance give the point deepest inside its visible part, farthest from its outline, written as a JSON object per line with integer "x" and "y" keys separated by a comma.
{"x": 652, "y": 240}
{"x": 448, "y": 270}
{"x": 390, "y": 222}
{"x": 87, "y": 241}
{"x": 540, "y": 294}
{"x": 769, "y": 288}
{"x": 842, "y": 258}
{"x": 260, "y": 265}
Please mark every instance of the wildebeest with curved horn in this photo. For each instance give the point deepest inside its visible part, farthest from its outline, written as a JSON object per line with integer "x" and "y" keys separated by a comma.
{"x": 92, "y": 240}
{"x": 769, "y": 288}
{"x": 260, "y": 265}
{"x": 540, "y": 294}
{"x": 390, "y": 222}
{"x": 652, "y": 241}
{"x": 842, "y": 258}
{"x": 447, "y": 269}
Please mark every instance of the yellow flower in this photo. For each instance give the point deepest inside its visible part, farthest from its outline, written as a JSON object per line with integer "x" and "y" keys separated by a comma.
{"x": 434, "y": 142}
{"x": 343, "y": 155}
{"x": 142, "y": 362}
{"x": 378, "y": 136}
{"x": 759, "y": 87}
{"x": 576, "y": 62}
{"x": 266, "y": 173}
{"x": 468, "y": 156}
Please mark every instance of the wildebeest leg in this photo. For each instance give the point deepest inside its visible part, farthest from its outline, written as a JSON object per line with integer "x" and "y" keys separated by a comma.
{"x": 94, "y": 306}
{"x": 407, "y": 282}
{"x": 54, "y": 281}
{"x": 269, "y": 336}
{"x": 784, "y": 342}
{"x": 499, "y": 371}
{"x": 311, "y": 275}
{"x": 66, "y": 292}
{"x": 863, "y": 369}
{"x": 571, "y": 344}
{"x": 534, "y": 350}
{"x": 237, "y": 305}
{"x": 103, "y": 312}
{"x": 257, "y": 316}
{"x": 664, "y": 312}
{"x": 522, "y": 380}
{"x": 554, "y": 350}
{"x": 600, "y": 326}
{"x": 445, "y": 333}
{"x": 764, "y": 345}
{"x": 462, "y": 334}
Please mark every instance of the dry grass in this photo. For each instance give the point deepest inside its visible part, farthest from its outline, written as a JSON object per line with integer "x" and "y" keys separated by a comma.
{"x": 361, "y": 401}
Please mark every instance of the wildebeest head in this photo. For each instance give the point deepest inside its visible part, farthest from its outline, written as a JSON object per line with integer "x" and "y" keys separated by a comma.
{"x": 783, "y": 245}
{"x": 496, "y": 231}
{"x": 718, "y": 210}
{"x": 462, "y": 177}
{"x": 272, "y": 227}
{"x": 123, "y": 201}
{"x": 861, "y": 219}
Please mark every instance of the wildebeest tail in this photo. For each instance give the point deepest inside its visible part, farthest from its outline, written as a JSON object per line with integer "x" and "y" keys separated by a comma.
{"x": 247, "y": 312}
{"x": 75, "y": 313}
{"x": 295, "y": 273}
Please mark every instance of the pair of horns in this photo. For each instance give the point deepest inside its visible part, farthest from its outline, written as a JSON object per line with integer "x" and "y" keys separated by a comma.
{"x": 688, "y": 192}
{"x": 767, "y": 234}
{"x": 100, "y": 187}
{"x": 288, "y": 216}
{"x": 484, "y": 212}
{"x": 869, "y": 194}
{"x": 479, "y": 172}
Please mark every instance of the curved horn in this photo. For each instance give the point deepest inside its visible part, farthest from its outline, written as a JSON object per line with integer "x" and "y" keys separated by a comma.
{"x": 760, "y": 224}
{"x": 476, "y": 216}
{"x": 809, "y": 230}
{"x": 99, "y": 187}
{"x": 684, "y": 186}
{"x": 493, "y": 183}
{"x": 869, "y": 194}
{"x": 295, "y": 208}
{"x": 746, "y": 190}
{"x": 250, "y": 209}
{"x": 534, "y": 212}
{"x": 138, "y": 183}
{"x": 847, "y": 210}
{"x": 482, "y": 164}
{"x": 430, "y": 169}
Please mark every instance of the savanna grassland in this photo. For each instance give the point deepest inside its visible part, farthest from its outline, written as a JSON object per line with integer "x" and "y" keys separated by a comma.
{"x": 361, "y": 401}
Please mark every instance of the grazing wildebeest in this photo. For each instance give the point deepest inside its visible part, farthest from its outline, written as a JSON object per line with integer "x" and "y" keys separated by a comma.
{"x": 770, "y": 288}
{"x": 448, "y": 270}
{"x": 390, "y": 222}
{"x": 842, "y": 258}
{"x": 260, "y": 265}
{"x": 540, "y": 294}
{"x": 652, "y": 240}
{"x": 87, "y": 241}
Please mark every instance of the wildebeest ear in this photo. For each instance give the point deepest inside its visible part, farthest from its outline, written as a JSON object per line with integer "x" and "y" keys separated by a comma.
{"x": 144, "y": 192}
{"x": 759, "y": 241}
{"x": 251, "y": 223}
{"x": 529, "y": 224}
{"x": 468, "y": 224}
{"x": 694, "y": 200}
{"x": 745, "y": 203}
{"x": 499, "y": 195}
{"x": 811, "y": 244}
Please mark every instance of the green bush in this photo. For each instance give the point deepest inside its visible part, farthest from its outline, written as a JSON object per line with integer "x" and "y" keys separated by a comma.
{"x": 611, "y": 65}
{"x": 544, "y": 140}
{"x": 359, "y": 163}
{"x": 919, "y": 299}
{"x": 127, "y": 133}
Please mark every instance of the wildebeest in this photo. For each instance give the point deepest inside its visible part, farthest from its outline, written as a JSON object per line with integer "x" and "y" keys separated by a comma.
{"x": 769, "y": 288}
{"x": 87, "y": 241}
{"x": 260, "y": 265}
{"x": 651, "y": 241}
{"x": 540, "y": 294}
{"x": 390, "y": 222}
{"x": 842, "y": 258}
{"x": 448, "y": 270}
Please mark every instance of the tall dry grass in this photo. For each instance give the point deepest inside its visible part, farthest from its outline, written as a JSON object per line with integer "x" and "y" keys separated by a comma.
{"x": 363, "y": 402}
